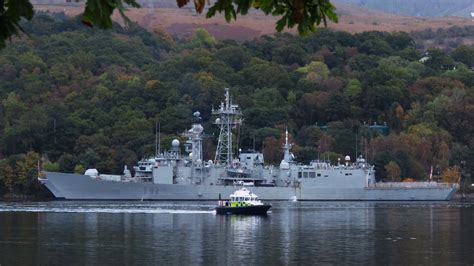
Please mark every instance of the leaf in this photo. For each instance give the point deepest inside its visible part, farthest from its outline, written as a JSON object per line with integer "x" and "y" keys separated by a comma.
{"x": 281, "y": 23}
{"x": 199, "y": 5}
{"x": 99, "y": 12}
{"x": 182, "y": 3}
{"x": 11, "y": 14}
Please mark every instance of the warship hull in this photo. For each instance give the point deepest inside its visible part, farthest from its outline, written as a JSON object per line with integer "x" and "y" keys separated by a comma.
{"x": 82, "y": 187}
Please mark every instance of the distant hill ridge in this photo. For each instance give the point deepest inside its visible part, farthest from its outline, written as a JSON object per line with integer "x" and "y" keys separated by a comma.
{"x": 425, "y": 8}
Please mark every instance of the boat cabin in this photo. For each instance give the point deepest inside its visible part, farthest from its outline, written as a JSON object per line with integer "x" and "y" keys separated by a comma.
{"x": 242, "y": 197}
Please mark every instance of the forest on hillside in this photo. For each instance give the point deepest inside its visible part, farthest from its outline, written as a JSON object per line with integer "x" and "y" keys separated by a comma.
{"x": 79, "y": 98}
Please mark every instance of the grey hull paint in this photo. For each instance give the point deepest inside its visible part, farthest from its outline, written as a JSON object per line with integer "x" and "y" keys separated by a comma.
{"x": 81, "y": 187}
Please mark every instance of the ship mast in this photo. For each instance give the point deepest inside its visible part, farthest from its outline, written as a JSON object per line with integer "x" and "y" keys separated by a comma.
{"x": 286, "y": 149}
{"x": 229, "y": 116}
{"x": 195, "y": 137}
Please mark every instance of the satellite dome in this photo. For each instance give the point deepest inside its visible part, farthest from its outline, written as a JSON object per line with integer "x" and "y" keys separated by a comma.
{"x": 92, "y": 172}
{"x": 347, "y": 158}
{"x": 197, "y": 114}
{"x": 218, "y": 120}
{"x": 175, "y": 143}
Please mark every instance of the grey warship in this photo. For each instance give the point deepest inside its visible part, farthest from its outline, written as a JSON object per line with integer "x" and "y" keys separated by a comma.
{"x": 174, "y": 176}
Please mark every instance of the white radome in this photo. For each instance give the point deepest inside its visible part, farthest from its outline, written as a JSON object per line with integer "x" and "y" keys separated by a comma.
{"x": 175, "y": 143}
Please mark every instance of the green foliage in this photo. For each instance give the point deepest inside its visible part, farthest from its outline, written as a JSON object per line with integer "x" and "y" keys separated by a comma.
{"x": 19, "y": 173}
{"x": 438, "y": 60}
{"x": 306, "y": 154}
{"x": 393, "y": 171}
{"x": 332, "y": 157}
{"x": 464, "y": 54}
{"x": 86, "y": 98}
{"x": 11, "y": 13}
{"x": 202, "y": 38}
{"x": 50, "y": 166}
{"x": 234, "y": 56}
{"x": 338, "y": 108}
{"x": 98, "y": 13}
{"x": 353, "y": 91}
{"x": 306, "y": 14}
{"x": 343, "y": 134}
{"x": 315, "y": 71}
{"x": 79, "y": 169}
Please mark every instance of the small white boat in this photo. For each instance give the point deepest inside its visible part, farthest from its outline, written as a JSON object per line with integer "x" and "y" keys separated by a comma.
{"x": 243, "y": 201}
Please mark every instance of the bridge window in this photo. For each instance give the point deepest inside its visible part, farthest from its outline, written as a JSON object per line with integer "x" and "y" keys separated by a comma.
{"x": 305, "y": 174}
{"x": 299, "y": 174}
{"x": 312, "y": 174}
{"x": 319, "y": 174}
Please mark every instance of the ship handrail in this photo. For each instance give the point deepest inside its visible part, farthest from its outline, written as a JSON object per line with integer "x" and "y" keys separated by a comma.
{"x": 420, "y": 184}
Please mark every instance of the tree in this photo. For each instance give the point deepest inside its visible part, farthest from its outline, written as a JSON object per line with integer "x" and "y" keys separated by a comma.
{"x": 450, "y": 175}
{"x": 234, "y": 56}
{"x": 306, "y": 14}
{"x": 438, "y": 60}
{"x": 464, "y": 54}
{"x": 202, "y": 38}
{"x": 272, "y": 150}
{"x": 290, "y": 54}
{"x": 339, "y": 108}
{"x": 79, "y": 169}
{"x": 26, "y": 169}
{"x": 393, "y": 171}
{"x": 353, "y": 91}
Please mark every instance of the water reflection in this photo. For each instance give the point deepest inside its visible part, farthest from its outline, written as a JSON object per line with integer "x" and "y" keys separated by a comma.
{"x": 294, "y": 233}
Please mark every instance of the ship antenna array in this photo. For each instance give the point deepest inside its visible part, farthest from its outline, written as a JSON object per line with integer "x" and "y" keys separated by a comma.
{"x": 229, "y": 116}
{"x": 157, "y": 138}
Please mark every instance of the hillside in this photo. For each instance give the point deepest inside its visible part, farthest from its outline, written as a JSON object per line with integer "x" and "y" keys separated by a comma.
{"x": 423, "y": 8}
{"x": 82, "y": 97}
{"x": 182, "y": 22}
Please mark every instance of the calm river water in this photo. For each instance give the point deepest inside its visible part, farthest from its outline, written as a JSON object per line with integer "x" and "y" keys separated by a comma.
{"x": 189, "y": 233}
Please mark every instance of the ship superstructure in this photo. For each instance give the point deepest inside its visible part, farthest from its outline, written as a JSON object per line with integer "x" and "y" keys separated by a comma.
{"x": 229, "y": 116}
{"x": 173, "y": 176}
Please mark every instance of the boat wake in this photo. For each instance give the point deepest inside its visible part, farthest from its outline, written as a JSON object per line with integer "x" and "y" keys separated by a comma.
{"x": 127, "y": 208}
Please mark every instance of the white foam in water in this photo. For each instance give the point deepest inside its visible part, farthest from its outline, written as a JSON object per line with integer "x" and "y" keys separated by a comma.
{"x": 93, "y": 208}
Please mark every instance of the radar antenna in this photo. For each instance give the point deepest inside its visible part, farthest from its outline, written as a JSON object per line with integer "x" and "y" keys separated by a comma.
{"x": 195, "y": 138}
{"x": 229, "y": 116}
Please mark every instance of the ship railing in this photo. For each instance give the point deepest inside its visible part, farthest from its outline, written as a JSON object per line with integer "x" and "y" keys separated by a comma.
{"x": 332, "y": 167}
{"x": 414, "y": 185}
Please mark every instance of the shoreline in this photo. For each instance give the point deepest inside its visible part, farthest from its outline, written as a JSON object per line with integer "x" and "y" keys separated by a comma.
{"x": 458, "y": 197}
